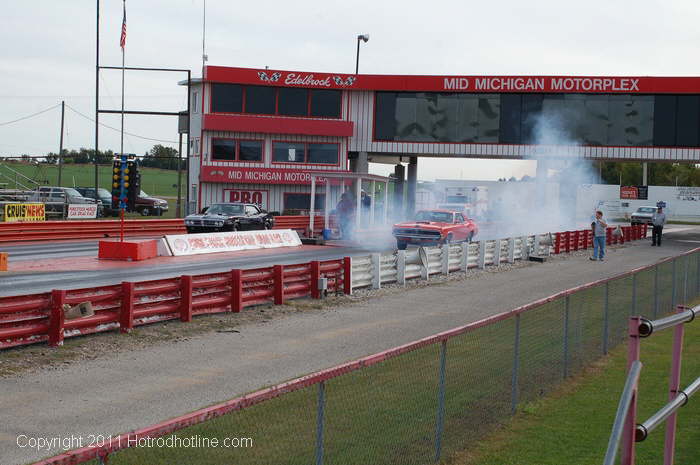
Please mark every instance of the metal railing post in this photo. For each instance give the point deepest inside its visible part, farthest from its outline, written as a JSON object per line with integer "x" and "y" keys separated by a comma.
{"x": 656, "y": 290}
{"x": 685, "y": 280}
{"x": 673, "y": 387}
{"x": 633, "y": 310}
{"x": 628, "y": 434}
{"x": 606, "y": 317}
{"x": 566, "y": 335}
{"x": 697, "y": 275}
{"x": 319, "y": 422}
{"x": 516, "y": 366}
{"x": 441, "y": 403}
{"x": 673, "y": 286}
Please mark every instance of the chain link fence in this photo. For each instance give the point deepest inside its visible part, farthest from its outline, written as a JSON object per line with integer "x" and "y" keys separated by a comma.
{"x": 422, "y": 402}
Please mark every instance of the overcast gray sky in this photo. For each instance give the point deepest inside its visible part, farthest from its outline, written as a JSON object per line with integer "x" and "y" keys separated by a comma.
{"x": 48, "y": 54}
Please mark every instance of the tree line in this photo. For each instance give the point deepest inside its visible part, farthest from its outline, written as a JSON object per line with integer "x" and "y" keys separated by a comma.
{"x": 159, "y": 156}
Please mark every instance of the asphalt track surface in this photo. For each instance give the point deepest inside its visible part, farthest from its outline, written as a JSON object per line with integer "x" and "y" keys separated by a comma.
{"x": 124, "y": 391}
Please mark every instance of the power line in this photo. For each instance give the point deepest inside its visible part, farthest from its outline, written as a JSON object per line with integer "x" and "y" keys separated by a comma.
{"x": 115, "y": 129}
{"x": 30, "y": 116}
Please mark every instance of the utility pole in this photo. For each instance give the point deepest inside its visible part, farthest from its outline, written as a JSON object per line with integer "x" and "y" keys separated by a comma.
{"x": 97, "y": 98}
{"x": 179, "y": 177}
{"x": 60, "y": 146}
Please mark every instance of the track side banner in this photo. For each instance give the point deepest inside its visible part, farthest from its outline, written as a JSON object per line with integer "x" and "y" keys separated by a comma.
{"x": 80, "y": 211}
{"x": 24, "y": 212}
{"x": 194, "y": 244}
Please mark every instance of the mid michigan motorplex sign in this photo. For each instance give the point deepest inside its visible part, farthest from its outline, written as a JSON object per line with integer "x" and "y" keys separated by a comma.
{"x": 544, "y": 84}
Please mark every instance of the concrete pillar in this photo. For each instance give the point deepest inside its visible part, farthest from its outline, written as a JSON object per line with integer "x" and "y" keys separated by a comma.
{"x": 411, "y": 192}
{"x": 359, "y": 164}
{"x": 400, "y": 176}
{"x": 645, "y": 174}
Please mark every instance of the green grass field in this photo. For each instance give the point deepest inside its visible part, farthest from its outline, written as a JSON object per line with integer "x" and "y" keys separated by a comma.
{"x": 573, "y": 425}
{"x": 154, "y": 181}
{"x": 387, "y": 413}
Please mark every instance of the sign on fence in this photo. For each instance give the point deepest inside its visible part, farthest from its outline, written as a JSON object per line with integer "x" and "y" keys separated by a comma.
{"x": 194, "y": 244}
{"x": 24, "y": 212}
{"x": 81, "y": 211}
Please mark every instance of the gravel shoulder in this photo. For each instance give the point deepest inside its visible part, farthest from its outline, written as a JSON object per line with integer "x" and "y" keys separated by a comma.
{"x": 111, "y": 383}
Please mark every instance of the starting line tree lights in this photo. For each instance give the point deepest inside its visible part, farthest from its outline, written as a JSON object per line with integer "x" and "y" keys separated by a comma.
{"x": 126, "y": 182}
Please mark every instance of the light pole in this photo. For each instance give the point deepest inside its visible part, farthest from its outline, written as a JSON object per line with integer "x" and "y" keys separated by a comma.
{"x": 365, "y": 38}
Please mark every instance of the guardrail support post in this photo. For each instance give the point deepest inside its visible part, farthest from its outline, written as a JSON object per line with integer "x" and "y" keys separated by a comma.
{"x": 577, "y": 238}
{"x": 445, "y": 258}
{"x": 511, "y": 250}
{"x": 376, "y": 259}
{"x": 236, "y": 291}
{"x": 56, "y": 318}
{"x": 524, "y": 249}
{"x": 401, "y": 267}
{"x": 320, "y": 408}
{"x": 567, "y": 241}
{"x": 278, "y": 283}
{"x": 516, "y": 367}
{"x": 482, "y": 255}
{"x": 441, "y": 402}
{"x": 464, "y": 265}
{"x": 126, "y": 313}
{"x": 497, "y": 252}
{"x": 567, "y": 306}
{"x": 628, "y": 433}
{"x": 606, "y": 317}
{"x": 186, "y": 298}
{"x": 315, "y": 277}
{"x": 347, "y": 275}
{"x": 673, "y": 387}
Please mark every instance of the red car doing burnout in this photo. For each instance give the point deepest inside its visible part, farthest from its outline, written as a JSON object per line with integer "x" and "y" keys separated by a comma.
{"x": 434, "y": 227}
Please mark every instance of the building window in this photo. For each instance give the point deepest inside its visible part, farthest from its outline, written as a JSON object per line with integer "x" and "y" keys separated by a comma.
{"x": 260, "y": 100}
{"x": 227, "y": 98}
{"x": 195, "y": 99}
{"x": 323, "y": 154}
{"x": 312, "y": 153}
{"x": 236, "y": 150}
{"x": 289, "y": 152}
{"x": 325, "y": 103}
{"x": 282, "y": 101}
{"x": 223, "y": 149}
{"x": 293, "y": 102}
{"x": 250, "y": 150}
{"x": 302, "y": 201}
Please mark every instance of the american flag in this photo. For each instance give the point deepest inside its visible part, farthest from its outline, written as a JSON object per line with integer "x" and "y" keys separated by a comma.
{"x": 122, "y": 40}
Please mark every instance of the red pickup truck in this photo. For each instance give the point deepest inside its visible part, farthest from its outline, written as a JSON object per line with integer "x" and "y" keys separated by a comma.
{"x": 434, "y": 227}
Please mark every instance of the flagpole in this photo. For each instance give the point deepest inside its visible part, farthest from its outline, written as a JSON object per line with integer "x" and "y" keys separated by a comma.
{"x": 121, "y": 145}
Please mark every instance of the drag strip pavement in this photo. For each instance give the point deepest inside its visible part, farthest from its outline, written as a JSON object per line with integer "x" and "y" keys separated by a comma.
{"x": 35, "y": 282}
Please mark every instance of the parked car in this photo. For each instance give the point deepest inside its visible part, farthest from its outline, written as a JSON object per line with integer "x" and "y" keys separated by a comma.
{"x": 105, "y": 197}
{"x": 643, "y": 215}
{"x": 57, "y": 199}
{"x": 147, "y": 205}
{"x": 434, "y": 227}
{"x": 229, "y": 217}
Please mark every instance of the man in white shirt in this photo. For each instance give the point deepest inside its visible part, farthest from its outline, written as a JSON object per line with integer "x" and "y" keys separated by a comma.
{"x": 658, "y": 220}
{"x": 599, "y": 236}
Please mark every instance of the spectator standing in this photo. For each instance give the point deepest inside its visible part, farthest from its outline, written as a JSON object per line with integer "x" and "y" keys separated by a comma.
{"x": 658, "y": 220}
{"x": 599, "y": 228}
